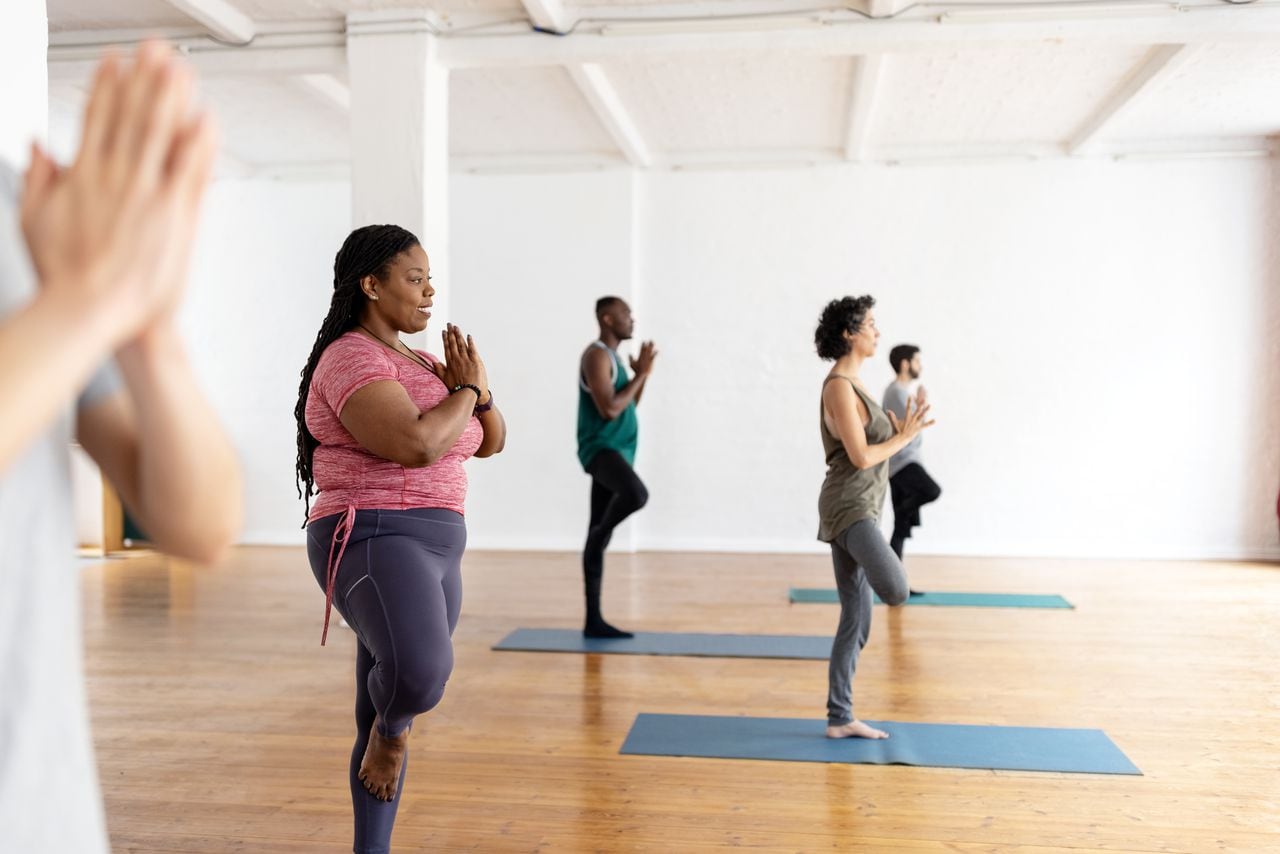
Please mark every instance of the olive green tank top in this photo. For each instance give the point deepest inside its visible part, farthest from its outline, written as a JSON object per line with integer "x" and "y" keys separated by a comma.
{"x": 850, "y": 494}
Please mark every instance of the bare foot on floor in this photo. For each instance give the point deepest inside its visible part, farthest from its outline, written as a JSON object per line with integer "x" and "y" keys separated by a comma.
{"x": 383, "y": 758}
{"x": 856, "y": 729}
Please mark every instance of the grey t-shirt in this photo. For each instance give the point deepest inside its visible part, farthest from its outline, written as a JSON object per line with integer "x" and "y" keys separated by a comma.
{"x": 49, "y": 799}
{"x": 895, "y": 401}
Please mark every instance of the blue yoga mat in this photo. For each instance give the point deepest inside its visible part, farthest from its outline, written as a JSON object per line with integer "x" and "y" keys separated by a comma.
{"x": 671, "y": 643}
{"x": 963, "y": 600}
{"x": 1081, "y": 751}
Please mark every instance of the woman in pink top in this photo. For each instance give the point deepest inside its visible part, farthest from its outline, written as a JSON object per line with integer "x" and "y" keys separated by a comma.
{"x": 383, "y": 431}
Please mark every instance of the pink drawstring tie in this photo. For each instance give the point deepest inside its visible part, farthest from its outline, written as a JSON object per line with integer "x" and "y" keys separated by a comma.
{"x": 341, "y": 534}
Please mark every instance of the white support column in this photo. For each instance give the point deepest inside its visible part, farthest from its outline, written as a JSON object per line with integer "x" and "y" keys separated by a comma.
{"x": 1159, "y": 63}
{"x": 862, "y": 105}
{"x": 24, "y": 98}
{"x": 400, "y": 137}
{"x": 224, "y": 21}
{"x": 608, "y": 107}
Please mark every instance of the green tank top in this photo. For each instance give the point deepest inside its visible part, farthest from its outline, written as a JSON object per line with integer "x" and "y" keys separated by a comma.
{"x": 850, "y": 494}
{"x": 595, "y": 434}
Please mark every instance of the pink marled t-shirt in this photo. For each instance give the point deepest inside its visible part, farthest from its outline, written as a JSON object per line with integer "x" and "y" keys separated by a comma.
{"x": 346, "y": 473}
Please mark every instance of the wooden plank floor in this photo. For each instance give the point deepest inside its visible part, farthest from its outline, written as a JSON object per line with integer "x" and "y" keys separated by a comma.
{"x": 222, "y": 726}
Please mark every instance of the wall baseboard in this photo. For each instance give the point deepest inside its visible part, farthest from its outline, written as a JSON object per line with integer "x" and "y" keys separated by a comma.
{"x": 813, "y": 547}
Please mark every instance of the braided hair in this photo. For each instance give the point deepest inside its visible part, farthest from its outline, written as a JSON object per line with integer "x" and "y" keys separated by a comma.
{"x": 367, "y": 251}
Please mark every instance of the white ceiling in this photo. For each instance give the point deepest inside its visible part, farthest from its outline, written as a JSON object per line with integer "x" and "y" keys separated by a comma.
{"x": 1223, "y": 90}
{"x": 1040, "y": 93}
{"x": 935, "y": 95}
{"x": 495, "y": 111}
{"x": 743, "y": 102}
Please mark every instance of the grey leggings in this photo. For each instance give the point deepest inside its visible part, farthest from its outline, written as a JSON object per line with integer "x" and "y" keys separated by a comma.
{"x": 863, "y": 563}
{"x": 399, "y": 585}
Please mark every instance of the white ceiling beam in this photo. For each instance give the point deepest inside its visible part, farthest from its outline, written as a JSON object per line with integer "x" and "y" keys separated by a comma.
{"x": 922, "y": 156}
{"x": 223, "y": 20}
{"x": 608, "y": 106}
{"x": 1185, "y": 24}
{"x": 97, "y": 38}
{"x": 494, "y": 164}
{"x": 283, "y": 55}
{"x": 326, "y": 170}
{"x": 1160, "y": 62}
{"x": 862, "y": 105}
{"x": 328, "y": 88}
{"x": 548, "y": 15}
{"x": 289, "y": 51}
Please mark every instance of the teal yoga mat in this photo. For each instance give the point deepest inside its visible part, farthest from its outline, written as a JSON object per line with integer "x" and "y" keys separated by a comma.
{"x": 961, "y": 600}
{"x": 817, "y": 648}
{"x": 1005, "y": 748}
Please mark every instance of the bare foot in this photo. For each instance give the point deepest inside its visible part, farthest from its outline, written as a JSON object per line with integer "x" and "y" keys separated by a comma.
{"x": 857, "y": 729}
{"x": 383, "y": 758}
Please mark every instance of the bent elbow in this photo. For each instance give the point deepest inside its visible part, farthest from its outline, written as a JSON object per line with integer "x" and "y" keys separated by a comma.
{"x": 206, "y": 548}
{"x": 485, "y": 453}
{"x": 209, "y": 553}
{"x": 204, "y": 536}
{"x": 416, "y": 456}
{"x": 421, "y": 460}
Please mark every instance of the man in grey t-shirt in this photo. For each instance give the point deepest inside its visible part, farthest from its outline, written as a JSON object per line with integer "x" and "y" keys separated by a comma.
{"x": 92, "y": 265}
{"x": 909, "y": 484}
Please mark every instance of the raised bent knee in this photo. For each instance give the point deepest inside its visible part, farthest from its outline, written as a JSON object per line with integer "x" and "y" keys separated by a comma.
{"x": 636, "y": 497}
{"x": 896, "y": 593}
{"x": 421, "y": 689}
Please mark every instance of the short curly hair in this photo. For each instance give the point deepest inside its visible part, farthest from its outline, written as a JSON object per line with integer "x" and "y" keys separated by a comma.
{"x": 840, "y": 316}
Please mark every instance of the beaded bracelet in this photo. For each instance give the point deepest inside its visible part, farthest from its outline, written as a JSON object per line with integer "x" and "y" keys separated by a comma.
{"x": 480, "y": 409}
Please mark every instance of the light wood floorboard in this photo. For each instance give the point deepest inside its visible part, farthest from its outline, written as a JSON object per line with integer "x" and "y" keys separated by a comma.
{"x": 222, "y": 726}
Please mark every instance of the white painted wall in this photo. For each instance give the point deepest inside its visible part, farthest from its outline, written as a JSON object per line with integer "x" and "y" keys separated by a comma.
{"x": 261, "y": 285}
{"x": 263, "y": 276}
{"x": 24, "y": 39}
{"x": 1099, "y": 340}
{"x": 531, "y": 254}
{"x": 1102, "y": 343}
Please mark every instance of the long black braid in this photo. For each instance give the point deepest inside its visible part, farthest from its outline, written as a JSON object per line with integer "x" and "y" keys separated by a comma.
{"x": 367, "y": 251}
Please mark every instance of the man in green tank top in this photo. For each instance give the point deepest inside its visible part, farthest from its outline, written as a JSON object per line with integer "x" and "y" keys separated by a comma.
{"x": 607, "y": 435}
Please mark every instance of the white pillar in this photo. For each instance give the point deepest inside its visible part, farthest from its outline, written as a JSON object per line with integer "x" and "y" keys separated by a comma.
{"x": 24, "y": 97}
{"x": 400, "y": 137}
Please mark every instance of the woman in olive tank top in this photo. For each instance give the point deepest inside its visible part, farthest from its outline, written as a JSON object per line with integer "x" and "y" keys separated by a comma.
{"x": 858, "y": 438}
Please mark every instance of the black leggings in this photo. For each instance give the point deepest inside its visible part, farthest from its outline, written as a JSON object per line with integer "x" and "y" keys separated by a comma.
{"x": 616, "y": 493}
{"x": 912, "y": 488}
{"x": 399, "y": 586}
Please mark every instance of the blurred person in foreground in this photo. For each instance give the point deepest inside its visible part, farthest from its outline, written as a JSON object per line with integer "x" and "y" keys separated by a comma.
{"x": 93, "y": 263}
